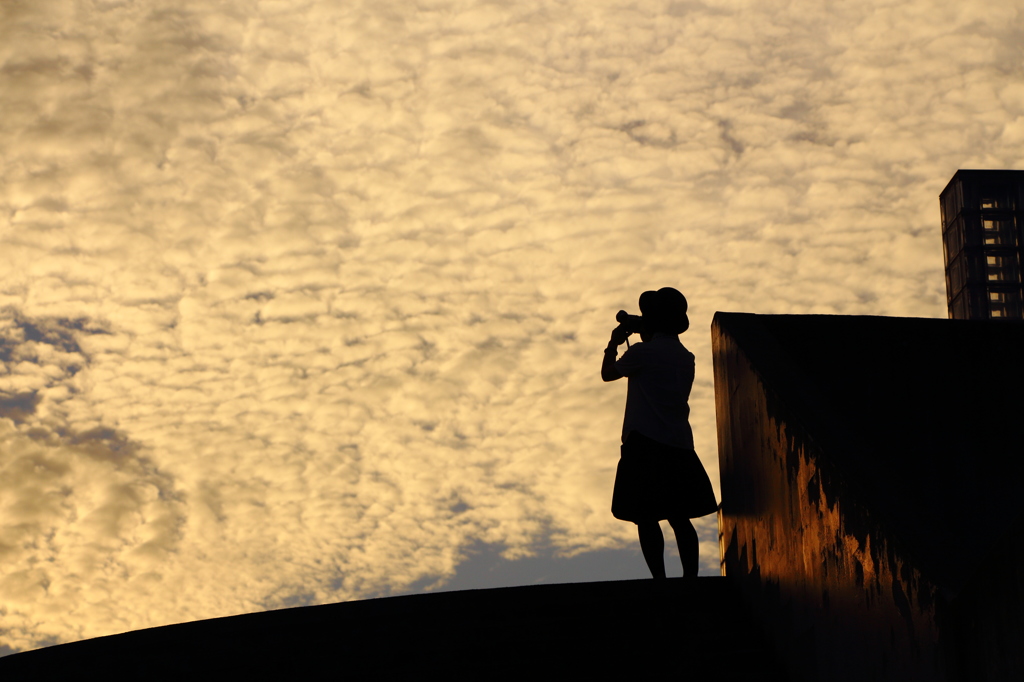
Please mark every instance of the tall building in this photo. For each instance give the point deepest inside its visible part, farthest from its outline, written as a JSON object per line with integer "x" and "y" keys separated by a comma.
{"x": 982, "y": 219}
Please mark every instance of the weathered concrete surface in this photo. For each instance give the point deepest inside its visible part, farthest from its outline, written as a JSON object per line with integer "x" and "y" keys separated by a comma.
{"x": 864, "y": 463}
{"x": 987, "y": 615}
{"x": 588, "y": 631}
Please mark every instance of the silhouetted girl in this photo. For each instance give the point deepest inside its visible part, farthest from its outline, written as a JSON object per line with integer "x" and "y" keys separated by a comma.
{"x": 659, "y": 475}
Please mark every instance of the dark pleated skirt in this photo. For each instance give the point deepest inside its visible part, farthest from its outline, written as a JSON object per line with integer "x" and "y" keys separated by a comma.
{"x": 655, "y": 481}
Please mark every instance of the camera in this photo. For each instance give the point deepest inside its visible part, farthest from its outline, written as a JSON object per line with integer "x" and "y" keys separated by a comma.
{"x": 634, "y": 324}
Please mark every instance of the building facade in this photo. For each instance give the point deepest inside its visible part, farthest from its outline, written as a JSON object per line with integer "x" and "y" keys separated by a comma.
{"x": 982, "y": 219}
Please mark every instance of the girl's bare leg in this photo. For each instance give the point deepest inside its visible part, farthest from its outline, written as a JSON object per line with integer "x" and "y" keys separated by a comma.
{"x": 652, "y": 543}
{"x": 689, "y": 547}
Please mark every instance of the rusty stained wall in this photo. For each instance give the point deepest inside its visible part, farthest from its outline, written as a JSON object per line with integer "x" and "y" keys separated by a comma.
{"x": 839, "y": 597}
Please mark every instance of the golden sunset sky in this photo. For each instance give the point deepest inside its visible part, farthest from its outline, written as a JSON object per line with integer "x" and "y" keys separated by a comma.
{"x": 303, "y": 302}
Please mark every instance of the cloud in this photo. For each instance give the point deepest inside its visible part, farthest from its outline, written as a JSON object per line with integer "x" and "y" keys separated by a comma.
{"x": 304, "y": 302}
{"x": 86, "y": 517}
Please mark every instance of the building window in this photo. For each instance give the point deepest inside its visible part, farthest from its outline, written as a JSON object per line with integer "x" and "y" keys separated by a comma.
{"x": 951, "y": 204}
{"x": 998, "y": 232}
{"x": 959, "y": 307}
{"x": 958, "y": 274}
{"x": 1004, "y": 304}
{"x": 1001, "y": 268}
{"x": 995, "y": 200}
{"x": 954, "y": 241}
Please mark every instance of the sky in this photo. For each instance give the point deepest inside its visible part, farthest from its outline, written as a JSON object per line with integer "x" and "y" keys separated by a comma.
{"x": 304, "y": 302}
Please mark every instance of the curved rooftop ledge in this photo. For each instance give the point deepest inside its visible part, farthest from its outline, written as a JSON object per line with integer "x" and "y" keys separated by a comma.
{"x": 574, "y": 631}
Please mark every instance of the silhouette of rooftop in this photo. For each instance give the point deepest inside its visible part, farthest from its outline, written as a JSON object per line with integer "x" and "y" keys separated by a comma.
{"x": 571, "y": 631}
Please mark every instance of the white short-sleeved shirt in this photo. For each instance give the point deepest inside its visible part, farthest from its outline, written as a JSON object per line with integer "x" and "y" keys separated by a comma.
{"x": 660, "y": 373}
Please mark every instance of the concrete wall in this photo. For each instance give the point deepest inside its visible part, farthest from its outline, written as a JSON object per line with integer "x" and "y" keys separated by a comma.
{"x": 837, "y": 591}
{"x": 988, "y": 623}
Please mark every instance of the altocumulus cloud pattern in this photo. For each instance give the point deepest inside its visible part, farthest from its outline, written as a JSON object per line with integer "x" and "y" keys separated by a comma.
{"x": 301, "y": 301}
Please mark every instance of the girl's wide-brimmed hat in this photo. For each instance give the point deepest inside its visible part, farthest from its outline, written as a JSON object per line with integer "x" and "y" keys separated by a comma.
{"x": 665, "y": 310}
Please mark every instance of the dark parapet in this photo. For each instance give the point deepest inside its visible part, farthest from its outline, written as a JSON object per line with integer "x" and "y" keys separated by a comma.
{"x": 988, "y": 627}
{"x": 868, "y": 464}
